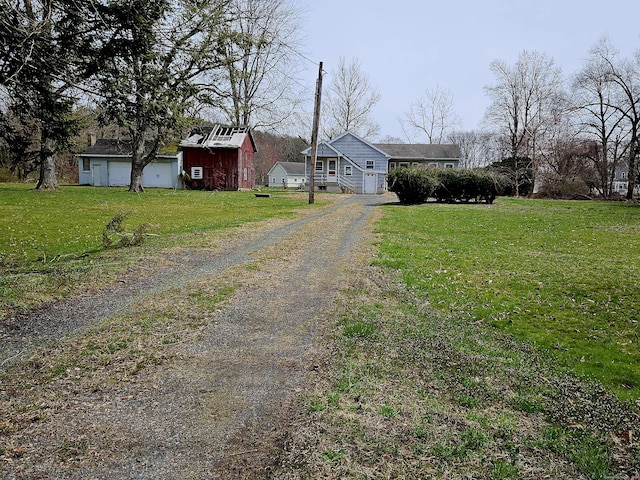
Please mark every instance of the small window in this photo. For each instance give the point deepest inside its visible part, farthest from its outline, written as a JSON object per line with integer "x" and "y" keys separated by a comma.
{"x": 392, "y": 165}
{"x": 196, "y": 173}
{"x": 283, "y": 180}
{"x": 433, "y": 164}
{"x": 273, "y": 180}
{"x": 245, "y": 174}
{"x": 348, "y": 170}
{"x": 623, "y": 175}
{"x": 448, "y": 165}
{"x": 370, "y": 164}
{"x": 403, "y": 164}
{"x": 86, "y": 165}
{"x": 416, "y": 164}
{"x": 319, "y": 167}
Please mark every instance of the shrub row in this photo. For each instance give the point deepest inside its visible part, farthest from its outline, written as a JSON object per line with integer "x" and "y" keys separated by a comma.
{"x": 418, "y": 185}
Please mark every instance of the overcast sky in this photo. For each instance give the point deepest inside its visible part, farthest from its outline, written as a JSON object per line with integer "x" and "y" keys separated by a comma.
{"x": 408, "y": 46}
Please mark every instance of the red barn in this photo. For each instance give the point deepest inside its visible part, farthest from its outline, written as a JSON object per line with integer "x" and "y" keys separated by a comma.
{"x": 219, "y": 158}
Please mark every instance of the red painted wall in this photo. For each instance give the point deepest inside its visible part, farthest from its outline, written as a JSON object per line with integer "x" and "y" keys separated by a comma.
{"x": 223, "y": 169}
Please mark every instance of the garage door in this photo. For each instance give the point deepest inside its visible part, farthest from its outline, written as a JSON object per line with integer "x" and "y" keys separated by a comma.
{"x": 158, "y": 175}
{"x": 119, "y": 174}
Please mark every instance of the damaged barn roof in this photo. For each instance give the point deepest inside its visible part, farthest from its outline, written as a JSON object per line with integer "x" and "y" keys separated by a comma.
{"x": 218, "y": 136}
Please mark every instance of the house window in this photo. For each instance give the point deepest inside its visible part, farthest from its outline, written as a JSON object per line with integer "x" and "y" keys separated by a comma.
{"x": 348, "y": 170}
{"x": 416, "y": 164}
{"x": 392, "y": 165}
{"x": 283, "y": 180}
{"x": 196, "y": 173}
{"x": 273, "y": 180}
{"x": 433, "y": 164}
{"x": 86, "y": 165}
{"x": 369, "y": 164}
{"x": 319, "y": 167}
{"x": 448, "y": 165}
{"x": 403, "y": 164}
{"x": 623, "y": 175}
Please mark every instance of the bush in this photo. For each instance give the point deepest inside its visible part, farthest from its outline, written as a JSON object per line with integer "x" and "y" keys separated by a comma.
{"x": 412, "y": 185}
{"x": 417, "y": 185}
{"x": 564, "y": 188}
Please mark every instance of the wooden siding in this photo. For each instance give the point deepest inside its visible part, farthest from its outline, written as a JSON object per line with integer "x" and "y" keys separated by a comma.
{"x": 222, "y": 169}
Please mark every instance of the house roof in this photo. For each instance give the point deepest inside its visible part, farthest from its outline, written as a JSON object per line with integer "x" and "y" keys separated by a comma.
{"x": 292, "y": 168}
{"x": 218, "y": 136}
{"x": 423, "y": 151}
{"x": 108, "y": 147}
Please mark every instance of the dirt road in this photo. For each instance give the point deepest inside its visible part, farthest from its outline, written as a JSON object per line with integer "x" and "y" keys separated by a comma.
{"x": 219, "y": 406}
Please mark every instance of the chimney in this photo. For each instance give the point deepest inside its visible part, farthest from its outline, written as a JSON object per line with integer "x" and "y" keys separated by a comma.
{"x": 91, "y": 139}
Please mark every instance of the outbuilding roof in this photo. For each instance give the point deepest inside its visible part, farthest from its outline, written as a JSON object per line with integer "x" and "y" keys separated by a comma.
{"x": 218, "y": 136}
{"x": 292, "y": 168}
{"x": 108, "y": 147}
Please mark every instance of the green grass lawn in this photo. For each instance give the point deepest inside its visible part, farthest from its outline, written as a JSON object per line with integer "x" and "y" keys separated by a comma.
{"x": 52, "y": 241}
{"x": 562, "y": 275}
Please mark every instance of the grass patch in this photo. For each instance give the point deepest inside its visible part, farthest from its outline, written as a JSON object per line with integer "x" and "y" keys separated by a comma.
{"x": 52, "y": 242}
{"x": 558, "y": 274}
{"x": 432, "y": 395}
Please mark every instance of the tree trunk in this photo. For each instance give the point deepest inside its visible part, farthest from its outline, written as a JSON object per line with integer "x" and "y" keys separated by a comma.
{"x": 631, "y": 175}
{"x": 137, "y": 164}
{"x": 47, "y": 179}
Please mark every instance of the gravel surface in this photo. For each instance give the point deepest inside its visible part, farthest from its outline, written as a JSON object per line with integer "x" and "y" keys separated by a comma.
{"x": 221, "y": 405}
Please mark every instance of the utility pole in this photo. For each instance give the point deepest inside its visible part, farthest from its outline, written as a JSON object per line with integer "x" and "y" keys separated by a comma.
{"x": 314, "y": 136}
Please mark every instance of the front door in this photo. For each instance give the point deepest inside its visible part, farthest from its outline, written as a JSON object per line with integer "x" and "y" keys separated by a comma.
{"x": 332, "y": 170}
{"x": 370, "y": 180}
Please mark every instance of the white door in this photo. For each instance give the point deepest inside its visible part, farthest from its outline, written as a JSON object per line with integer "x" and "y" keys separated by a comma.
{"x": 332, "y": 170}
{"x": 370, "y": 180}
{"x": 97, "y": 175}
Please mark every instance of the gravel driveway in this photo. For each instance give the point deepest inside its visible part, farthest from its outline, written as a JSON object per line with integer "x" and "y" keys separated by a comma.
{"x": 220, "y": 406}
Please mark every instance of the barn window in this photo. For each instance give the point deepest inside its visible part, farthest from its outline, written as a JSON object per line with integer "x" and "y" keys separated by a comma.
{"x": 245, "y": 174}
{"x": 86, "y": 165}
{"x": 196, "y": 173}
{"x": 370, "y": 164}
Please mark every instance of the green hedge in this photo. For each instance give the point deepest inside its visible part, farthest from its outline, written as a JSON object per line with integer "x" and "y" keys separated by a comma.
{"x": 417, "y": 185}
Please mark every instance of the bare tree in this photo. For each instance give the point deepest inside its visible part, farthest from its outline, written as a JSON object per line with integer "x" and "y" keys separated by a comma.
{"x": 350, "y": 101}
{"x": 625, "y": 76}
{"x": 594, "y": 105}
{"x": 432, "y": 116}
{"x": 477, "y": 149}
{"x": 261, "y": 51}
{"x": 523, "y": 101}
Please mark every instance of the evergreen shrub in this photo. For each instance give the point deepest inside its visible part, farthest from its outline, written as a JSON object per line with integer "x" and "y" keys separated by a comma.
{"x": 417, "y": 185}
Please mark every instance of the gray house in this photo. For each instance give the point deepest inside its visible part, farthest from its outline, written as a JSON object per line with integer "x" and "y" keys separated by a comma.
{"x": 349, "y": 163}
{"x": 287, "y": 175}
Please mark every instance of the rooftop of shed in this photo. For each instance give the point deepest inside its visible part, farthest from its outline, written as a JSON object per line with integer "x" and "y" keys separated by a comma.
{"x": 218, "y": 136}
